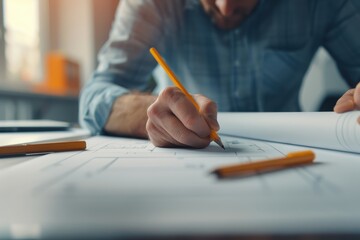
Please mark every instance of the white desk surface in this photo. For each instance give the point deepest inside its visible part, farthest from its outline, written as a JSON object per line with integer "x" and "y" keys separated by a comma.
{"x": 30, "y": 137}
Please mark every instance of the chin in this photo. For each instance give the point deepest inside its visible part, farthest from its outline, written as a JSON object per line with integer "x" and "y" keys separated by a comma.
{"x": 227, "y": 26}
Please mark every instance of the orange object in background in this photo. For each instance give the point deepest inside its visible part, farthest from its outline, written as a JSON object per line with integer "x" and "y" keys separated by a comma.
{"x": 62, "y": 76}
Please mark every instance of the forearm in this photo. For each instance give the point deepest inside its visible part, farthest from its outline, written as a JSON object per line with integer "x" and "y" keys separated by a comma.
{"x": 129, "y": 115}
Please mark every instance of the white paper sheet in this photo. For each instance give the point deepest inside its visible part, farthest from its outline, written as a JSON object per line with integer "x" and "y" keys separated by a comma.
{"x": 121, "y": 185}
{"x": 316, "y": 129}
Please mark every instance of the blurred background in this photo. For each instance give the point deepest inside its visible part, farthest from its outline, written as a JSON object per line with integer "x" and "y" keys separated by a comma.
{"x": 48, "y": 50}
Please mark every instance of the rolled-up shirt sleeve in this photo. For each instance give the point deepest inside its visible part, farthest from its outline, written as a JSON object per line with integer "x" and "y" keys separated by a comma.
{"x": 125, "y": 64}
{"x": 96, "y": 102}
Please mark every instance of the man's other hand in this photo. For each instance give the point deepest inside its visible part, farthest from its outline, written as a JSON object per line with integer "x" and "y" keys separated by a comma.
{"x": 349, "y": 101}
{"x": 174, "y": 121}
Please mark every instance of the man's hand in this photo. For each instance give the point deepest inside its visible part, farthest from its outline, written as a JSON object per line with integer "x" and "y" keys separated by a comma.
{"x": 349, "y": 101}
{"x": 174, "y": 121}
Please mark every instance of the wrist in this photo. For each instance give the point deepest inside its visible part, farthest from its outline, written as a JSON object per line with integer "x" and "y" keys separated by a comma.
{"x": 128, "y": 115}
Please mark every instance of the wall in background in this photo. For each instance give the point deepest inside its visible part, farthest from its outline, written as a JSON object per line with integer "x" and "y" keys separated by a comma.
{"x": 76, "y": 28}
{"x": 79, "y": 28}
{"x": 103, "y": 17}
{"x": 71, "y": 31}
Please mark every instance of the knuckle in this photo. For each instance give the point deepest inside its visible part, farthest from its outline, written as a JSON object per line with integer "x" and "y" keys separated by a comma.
{"x": 211, "y": 107}
{"x": 150, "y": 111}
{"x": 350, "y": 91}
{"x": 189, "y": 121}
{"x": 153, "y": 111}
{"x": 172, "y": 94}
{"x": 197, "y": 125}
{"x": 206, "y": 104}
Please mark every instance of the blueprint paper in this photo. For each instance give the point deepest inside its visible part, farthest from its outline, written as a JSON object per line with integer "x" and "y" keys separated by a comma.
{"x": 122, "y": 185}
{"x": 327, "y": 130}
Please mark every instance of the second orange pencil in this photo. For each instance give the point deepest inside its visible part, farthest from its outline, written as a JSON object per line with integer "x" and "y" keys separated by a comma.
{"x": 291, "y": 159}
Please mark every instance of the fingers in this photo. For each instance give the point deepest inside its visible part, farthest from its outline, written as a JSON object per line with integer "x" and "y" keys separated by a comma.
{"x": 174, "y": 121}
{"x": 349, "y": 101}
{"x": 185, "y": 111}
{"x": 160, "y": 137}
{"x": 208, "y": 109}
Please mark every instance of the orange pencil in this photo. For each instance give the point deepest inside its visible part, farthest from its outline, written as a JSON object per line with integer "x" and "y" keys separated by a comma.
{"x": 291, "y": 159}
{"x": 23, "y": 149}
{"x": 213, "y": 135}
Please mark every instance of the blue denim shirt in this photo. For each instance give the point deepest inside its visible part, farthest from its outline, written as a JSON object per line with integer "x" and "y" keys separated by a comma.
{"x": 259, "y": 66}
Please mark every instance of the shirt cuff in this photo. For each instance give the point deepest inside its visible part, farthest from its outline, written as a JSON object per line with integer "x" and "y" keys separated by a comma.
{"x": 96, "y": 102}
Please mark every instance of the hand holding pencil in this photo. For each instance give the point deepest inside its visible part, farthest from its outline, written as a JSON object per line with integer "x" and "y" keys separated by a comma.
{"x": 177, "y": 118}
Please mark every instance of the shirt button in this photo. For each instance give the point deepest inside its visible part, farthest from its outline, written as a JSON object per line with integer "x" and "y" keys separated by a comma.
{"x": 237, "y": 63}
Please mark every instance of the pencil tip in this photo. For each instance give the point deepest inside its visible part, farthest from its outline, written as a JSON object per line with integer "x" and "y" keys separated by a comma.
{"x": 218, "y": 141}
